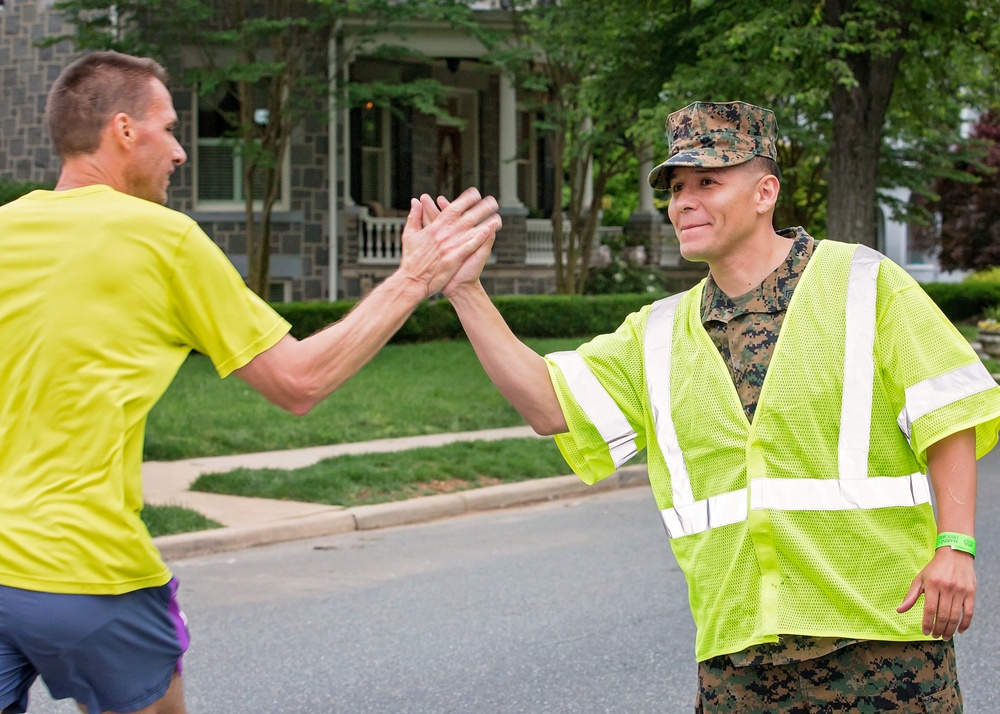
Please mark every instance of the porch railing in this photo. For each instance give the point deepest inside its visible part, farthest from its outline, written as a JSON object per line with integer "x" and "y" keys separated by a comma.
{"x": 379, "y": 239}
{"x": 539, "y": 240}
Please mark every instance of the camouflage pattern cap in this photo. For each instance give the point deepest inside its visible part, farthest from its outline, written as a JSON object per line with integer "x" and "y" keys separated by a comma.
{"x": 716, "y": 134}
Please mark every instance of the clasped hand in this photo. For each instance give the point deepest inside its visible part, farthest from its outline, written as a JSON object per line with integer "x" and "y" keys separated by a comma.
{"x": 444, "y": 242}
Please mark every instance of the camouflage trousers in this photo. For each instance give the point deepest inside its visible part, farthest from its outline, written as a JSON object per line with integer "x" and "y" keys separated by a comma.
{"x": 865, "y": 677}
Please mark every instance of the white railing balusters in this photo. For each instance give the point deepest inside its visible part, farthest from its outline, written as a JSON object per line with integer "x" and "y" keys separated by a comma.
{"x": 379, "y": 239}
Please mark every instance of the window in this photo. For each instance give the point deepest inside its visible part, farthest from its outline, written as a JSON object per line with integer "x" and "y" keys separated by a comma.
{"x": 219, "y": 162}
{"x": 375, "y": 165}
{"x": 527, "y": 159}
{"x": 279, "y": 291}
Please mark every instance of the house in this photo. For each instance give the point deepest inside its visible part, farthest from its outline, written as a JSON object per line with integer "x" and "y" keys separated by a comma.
{"x": 894, "y": 240}
{"x": 338, "y": 244}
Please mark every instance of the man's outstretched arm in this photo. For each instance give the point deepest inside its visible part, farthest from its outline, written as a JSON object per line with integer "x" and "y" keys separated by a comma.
{"x": 518, "y": 371}
{"x": 515, "y": 369}
{"x": 298, "y": 374}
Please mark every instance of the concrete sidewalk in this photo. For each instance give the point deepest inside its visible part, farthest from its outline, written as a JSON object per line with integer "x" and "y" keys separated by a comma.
{"x": 258, "y": 521}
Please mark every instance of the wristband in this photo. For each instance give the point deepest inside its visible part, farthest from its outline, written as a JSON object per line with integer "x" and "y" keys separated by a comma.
{"x": 957, "y": 541}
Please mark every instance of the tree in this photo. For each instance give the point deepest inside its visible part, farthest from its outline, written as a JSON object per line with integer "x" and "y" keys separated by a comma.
{"x": 969, "y": 211}
{"x": 589, "y": 96}
{"x": 862, "y": 88}
{"x": 265, "y": 64}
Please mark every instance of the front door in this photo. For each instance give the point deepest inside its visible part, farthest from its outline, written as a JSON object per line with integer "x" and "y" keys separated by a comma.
{"x": 449, "y": 162}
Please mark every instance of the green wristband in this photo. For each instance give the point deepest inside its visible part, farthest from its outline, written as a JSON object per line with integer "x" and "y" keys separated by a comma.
{"x": 957, "y": 541}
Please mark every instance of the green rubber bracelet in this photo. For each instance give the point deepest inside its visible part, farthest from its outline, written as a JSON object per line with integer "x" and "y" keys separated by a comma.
{"x": 957, "y": 541}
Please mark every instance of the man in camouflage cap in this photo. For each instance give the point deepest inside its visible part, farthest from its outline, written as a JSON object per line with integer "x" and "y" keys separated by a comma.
{"x": 804, "y": 557}
{"x": 716, "y": 134}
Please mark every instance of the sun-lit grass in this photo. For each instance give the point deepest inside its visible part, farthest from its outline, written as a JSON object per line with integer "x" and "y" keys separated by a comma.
{"x": 167, "y": 520}
{"x": 407, "y": 390}
{"x": 376, "y": 478}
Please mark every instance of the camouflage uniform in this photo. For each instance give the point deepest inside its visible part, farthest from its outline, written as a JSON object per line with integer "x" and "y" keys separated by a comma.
{"x": 799, "y": 673}
{"x": 868, "y": 677}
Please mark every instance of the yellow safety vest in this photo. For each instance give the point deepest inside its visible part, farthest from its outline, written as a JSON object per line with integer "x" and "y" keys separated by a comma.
{"x": 815, "y": 518}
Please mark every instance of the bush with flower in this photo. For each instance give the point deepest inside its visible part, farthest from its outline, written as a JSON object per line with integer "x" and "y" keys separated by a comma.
{"x": 991, "y": 319}
{"x": 618, "y": 267}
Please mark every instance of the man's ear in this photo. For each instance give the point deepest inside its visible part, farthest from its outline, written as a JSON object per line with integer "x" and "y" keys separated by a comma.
{"x": 122, "y": 129}
{"x": 767, "y": 193}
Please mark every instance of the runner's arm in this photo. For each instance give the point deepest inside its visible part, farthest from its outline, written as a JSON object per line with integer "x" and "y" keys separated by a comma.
{"x": 298, "y": 374}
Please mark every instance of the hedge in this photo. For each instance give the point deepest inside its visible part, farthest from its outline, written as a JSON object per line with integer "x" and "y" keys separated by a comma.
{"x": 12, "y": 190}
{"x": 966, "y": 301}
{"x": 580, "y": 315}
{"x": 528, "y": 316}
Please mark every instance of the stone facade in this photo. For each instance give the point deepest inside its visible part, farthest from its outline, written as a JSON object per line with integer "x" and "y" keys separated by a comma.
{"x": 26, "y": 72}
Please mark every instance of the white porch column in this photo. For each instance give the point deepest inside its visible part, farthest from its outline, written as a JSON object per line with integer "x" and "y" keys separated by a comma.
{"x": 588, "y": 175}
{"x": 333, "y": 209}
{"x": 508, "y": 144}
{"x": 645, "y": 190}
{"x": 346, "y": 128}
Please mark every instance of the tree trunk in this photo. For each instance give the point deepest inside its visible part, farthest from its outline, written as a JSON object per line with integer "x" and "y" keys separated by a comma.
{"x": 858, "y": 114}
{"x": 557, "y": 146}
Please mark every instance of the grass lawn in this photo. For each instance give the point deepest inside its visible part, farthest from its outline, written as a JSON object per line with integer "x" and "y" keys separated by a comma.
{"x": 377, "y": 478}
{"x": 166, "y": 520}
{"x": 407, "y": 390}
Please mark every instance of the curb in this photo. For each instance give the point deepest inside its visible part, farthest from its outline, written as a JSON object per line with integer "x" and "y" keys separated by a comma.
{"x": 384, "y": 515}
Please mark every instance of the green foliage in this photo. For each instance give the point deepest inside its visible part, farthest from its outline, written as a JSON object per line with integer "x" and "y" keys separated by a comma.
{"x": 528, "y": 316}
{"x": 964, "y": 301}
{"x": 912, "y": 66}
{"x": 990, "y": 275}
{"x": 621, "y": 196}
{"x": 12, "y": 190}
{"x": 590, "y": 97}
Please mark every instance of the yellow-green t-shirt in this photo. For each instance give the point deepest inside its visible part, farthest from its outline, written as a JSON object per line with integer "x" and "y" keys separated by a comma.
{"x": 102, "y": 297}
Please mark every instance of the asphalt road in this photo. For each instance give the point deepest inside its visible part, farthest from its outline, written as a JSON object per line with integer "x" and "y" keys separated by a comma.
{"x": 572, "y": 606}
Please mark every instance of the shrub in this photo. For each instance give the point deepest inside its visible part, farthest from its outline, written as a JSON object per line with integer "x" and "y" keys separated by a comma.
{"x": 528, "y": 316}
{"x": 581, "y": 315}
{"x": 12, "y": 190}
{"x": 621, "y": 268}
{"x": 990, "y": 275}
{"x": 964, "y": 301}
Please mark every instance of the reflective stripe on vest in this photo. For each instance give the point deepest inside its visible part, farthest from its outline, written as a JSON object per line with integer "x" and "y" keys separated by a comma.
{"x": 926, "y": 396}
{"x": 657, "y": 350}
{"x": 853, "y": 489}
{"x": 598, "y": 405}
{"x": 859, "y": 365}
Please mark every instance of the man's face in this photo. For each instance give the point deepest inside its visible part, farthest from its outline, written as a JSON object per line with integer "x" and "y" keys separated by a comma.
{"x": 157, "y": 152}
{"x": 713, "y": 210}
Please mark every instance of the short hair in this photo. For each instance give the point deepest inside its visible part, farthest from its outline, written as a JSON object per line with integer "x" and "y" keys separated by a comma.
{"x": 91, "y": 90}
{"x": 763, "y": 165}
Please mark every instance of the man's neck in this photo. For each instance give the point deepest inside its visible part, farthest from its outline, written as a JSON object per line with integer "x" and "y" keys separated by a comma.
{"x": 80, "y": 171}
{"x": 744, "y": 270}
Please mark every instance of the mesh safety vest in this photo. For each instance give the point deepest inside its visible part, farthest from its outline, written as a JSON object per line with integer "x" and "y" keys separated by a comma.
{"x": 815, "y": 518}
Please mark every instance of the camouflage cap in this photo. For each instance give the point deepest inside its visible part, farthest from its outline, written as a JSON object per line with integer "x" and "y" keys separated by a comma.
{"x": 716, "y": 134}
